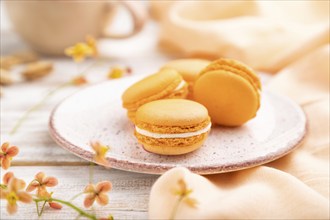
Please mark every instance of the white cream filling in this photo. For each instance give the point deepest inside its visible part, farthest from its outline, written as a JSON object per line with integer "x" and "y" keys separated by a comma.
{"x": 180, "y": 86}
{"x": 181, "y": 135}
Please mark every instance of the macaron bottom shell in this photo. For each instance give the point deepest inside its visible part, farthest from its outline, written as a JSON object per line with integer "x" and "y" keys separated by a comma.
{"x": 171, "y": 146}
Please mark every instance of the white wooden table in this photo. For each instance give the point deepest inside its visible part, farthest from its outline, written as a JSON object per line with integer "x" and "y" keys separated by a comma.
{"x": 38, "y": 152}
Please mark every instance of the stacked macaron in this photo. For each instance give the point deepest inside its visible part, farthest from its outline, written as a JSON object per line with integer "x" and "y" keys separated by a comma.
{"x": 225, "y": 92}
{"x": 165, "y": 84}
{"x": 172, "y": 126}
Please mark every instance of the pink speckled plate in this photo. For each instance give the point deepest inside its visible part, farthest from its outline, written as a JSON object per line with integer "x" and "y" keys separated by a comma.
{"x": 96, "y": 113}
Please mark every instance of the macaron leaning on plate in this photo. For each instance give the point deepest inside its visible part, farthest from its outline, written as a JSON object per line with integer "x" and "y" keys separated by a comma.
{"x": 165, "y": 84}
{"x": 172, "y": 126}
{"x": 230, "y": 91}
{"x": 189, "y": 70}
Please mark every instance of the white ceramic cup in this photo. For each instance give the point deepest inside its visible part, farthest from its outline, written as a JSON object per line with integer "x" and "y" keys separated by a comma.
{"x": 50, "y": 26}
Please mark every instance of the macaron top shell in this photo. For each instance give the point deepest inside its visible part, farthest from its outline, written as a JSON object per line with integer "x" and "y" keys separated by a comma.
{"x": 159, "y": 84}
{"x": 188, "y": 68}
{"x": 235, "y": 67}
{"x": 172, "y": 112}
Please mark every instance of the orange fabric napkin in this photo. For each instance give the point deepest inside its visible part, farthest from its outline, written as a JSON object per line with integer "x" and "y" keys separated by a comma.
{"x": 295, "y": 186}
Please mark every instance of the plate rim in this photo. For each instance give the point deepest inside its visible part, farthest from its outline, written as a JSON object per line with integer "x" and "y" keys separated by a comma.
{"x": 124, "y": 164}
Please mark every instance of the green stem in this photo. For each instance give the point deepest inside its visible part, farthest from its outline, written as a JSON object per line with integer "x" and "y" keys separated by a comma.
{"x": 35, "y": 107}
{"x": 3, "y": 186}
{"x": 97, "y": 62}
{"x": 80, "y": 211}
{"x": 42, "y": 208}
{"x": 52, "y": 92}
{"x": 83, "y": 72}
{"x": 175, "y": 209}
{"x": 76, "y": 196}
{"x": 37, "y": 208}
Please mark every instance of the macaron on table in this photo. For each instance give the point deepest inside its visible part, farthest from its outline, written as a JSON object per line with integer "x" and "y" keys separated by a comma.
{"x": 227, "y": 124}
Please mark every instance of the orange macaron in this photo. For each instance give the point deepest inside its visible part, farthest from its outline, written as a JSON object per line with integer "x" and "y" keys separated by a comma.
{"x": 165, "y": 84}
{"x": 189, "y": 69}
{"x": 172, "y": 126}
{"x": 230, "y": 90}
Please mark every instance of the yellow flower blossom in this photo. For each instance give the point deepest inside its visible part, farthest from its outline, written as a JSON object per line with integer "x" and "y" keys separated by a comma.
{"x": 79, "y": 51}
{"x": 100, "y": 152}
{"x": 7, "y": 152}
{"x": 116, "y": 73}
{"x": 14, "y": 193}
{"x": 182, "y": 189}
{"x": 192, "y": 202}
{"x": 110, "y": 217}
{"x": 40, "y": 182}
{"x": 92, "y": 43}
{"x": 184, "y": 193}
{"x": 7, "y": 177}
{"x": 97, "y": 193}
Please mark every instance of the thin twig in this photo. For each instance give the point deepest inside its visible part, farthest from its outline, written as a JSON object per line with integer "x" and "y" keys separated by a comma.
{"x": 175, "y": 209}
{"x": 80, "y": 211}
{"x": 42, "y": 208}
{"x": 76, "y": 196}
{"x": 35, "y": 107}
{"x": 37, "y": 208}
{"x": 90, "y": 67}
{"x": 49, "y": 94}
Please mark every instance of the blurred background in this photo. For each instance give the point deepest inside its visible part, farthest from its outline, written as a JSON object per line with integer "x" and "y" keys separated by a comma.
{"x": 143, "y": 35}
{"x": 266, "y": 35}
{"x": 17, "y": 35}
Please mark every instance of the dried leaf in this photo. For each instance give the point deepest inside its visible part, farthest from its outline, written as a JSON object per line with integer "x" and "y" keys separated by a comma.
{"x": 79, "y": 80}
{"x": 7, "y": 62}
{"x": 5, "y": 77}
{"x": 37, "y": 70}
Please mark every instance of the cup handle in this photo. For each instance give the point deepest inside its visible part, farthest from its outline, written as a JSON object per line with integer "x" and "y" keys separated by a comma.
{"x": 139, "y": 17}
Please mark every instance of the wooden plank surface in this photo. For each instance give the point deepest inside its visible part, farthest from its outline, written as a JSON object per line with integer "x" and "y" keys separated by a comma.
{"x": 33, "y": 137}
{"x": 38, "y": 152}
{"x": 128, "y": 199}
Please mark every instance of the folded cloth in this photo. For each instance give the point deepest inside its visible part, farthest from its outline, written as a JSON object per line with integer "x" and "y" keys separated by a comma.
{"x": 293, "y": 187}
{"x": 267, "y": 35}
{"x": 290, "y": 38}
